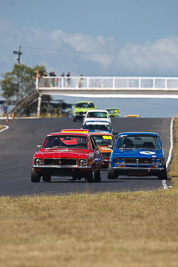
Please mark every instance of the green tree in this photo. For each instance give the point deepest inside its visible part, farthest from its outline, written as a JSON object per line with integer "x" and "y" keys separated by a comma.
{"x": 19, "y": 82}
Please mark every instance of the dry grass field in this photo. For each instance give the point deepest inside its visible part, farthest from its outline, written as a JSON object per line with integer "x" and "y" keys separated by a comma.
{"x": 137, "y": 229}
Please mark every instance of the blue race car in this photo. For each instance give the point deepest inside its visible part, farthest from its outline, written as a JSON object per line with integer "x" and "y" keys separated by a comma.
{"x": 137, "y": 154}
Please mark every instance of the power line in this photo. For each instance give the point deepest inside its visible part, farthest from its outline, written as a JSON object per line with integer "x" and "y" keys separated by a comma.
{"x": 100, "y": 53}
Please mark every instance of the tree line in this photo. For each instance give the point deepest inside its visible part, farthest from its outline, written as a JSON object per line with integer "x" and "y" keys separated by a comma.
{"x": 19, "y": 82}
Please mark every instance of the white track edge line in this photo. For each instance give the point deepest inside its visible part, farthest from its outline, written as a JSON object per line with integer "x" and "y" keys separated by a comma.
{"x": 164, "y": 184}
{"x": 5, "y": 128}
{"x": 171, "y": 143}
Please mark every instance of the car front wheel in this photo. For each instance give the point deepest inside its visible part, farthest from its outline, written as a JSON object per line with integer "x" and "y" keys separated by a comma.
{"x": 35, "y": 177}
{"x": 97, "y": 176}
{"x": 163, "y": 174}
{"x": 112, "y": 173}
{"x": 89, "y": 178}
{"x": 46, "y": 178}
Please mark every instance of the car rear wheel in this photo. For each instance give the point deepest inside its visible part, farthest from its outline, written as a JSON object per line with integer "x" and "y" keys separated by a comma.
{"x": 112, "y": 173}
{"x": 163, "y": 174}
{"x": 46, "y": 178}
{"x": 35, "y": 177}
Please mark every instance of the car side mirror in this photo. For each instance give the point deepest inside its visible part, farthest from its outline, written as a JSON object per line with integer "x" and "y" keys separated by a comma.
{"x": 38, "y": 147}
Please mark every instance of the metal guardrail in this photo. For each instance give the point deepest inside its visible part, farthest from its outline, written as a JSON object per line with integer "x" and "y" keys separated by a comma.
{"x": 136, "y": 83}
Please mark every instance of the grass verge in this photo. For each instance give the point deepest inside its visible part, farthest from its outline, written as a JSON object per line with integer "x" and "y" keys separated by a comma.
{"x": 107, "y": 229}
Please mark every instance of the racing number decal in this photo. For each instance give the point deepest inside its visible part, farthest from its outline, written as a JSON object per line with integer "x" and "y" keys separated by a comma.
{"x": 107, "y": 137}
{"x": 147, "y": 153}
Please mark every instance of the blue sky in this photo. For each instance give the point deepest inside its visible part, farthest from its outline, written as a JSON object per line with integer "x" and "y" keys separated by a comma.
{"x": 92, "y": 37}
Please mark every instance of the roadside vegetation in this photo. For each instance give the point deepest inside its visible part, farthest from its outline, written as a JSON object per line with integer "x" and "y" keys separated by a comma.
{"x": 1, "y": 127}
{"x": 105, "y": 229}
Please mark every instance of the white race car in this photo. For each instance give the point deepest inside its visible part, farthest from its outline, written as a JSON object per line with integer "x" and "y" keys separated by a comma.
{"x": 98, "y": 126}
{"x": 97, "y": 115}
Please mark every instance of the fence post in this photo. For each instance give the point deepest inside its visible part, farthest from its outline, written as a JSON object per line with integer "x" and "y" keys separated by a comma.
{"x": 39, "y": 106}
{"x": 87, "y": 82}
{"x": 37, "y": 83}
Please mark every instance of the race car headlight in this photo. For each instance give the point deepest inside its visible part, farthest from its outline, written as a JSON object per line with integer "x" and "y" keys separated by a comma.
{"x": 38, "y": 161}
{"x": 83, "y": 162}
{"x": 115, "y": 160}
{"x": 118, "y": 160}
{"x": 158, "y": 161}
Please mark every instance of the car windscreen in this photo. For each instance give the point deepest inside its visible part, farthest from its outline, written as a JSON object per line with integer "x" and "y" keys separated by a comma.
{"x": 66, "y": 141}
{"x": 85, "y": 105}
{"x": 138, "y": 141}
{"x": 97, "y": 115}
{"x": 113, "y": 111}
{"x": 99, "y": 127}
{"x": 104, "y": 140}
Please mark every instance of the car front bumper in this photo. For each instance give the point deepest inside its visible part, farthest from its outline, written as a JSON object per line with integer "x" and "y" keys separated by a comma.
{"x": 138, "y": 171}
{"x": 61, "y": 170}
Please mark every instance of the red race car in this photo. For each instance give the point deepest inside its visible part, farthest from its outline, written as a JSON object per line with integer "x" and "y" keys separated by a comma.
{"x": 67, "y": 153}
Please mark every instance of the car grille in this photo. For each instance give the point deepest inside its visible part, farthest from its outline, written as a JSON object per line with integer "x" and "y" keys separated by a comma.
{"x": 138, "y": 160}
{"x": 106, "y": 155}
{"x": 59, "y": 162}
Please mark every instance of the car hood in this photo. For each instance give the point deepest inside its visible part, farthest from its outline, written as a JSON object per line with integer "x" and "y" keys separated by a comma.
{"x": 62, "y": 153}
{"x": 98, "y": 131}
{"x": 97, "y": 120}
{"x": 81, "y": 109}
{"x": 140, "y": 153}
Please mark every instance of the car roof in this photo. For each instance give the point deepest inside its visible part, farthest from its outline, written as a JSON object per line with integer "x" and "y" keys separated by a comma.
{"x": 111, "y": 108}
{"x": 101, "y": 133}
{"x": 86, "y": 133}
{"x": 97, "y": 110}
{"x": 136, "y": 133}
{"x": 74, "y": 131}
{"x": 84, "y": 102}
{"x": 97, "y": 122}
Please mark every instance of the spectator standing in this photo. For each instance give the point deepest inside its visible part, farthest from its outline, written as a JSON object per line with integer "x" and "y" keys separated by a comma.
{"x": 52, "y": 74}
{"x": 80, "y": 80}
{"x": 45, "y": 80}
{"x": 68, "y": 79}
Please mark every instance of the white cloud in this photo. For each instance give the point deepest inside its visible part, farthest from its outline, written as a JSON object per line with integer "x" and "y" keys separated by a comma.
{"x": 82, "y": 52}
{"x": 160, "y": 56}
{"x": 151, "y": 57}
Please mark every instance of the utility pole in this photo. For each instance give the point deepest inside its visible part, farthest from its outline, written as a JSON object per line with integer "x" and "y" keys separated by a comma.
{"x": 19, "y": 53}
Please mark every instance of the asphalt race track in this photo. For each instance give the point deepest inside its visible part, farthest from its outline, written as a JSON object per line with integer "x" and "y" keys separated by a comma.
{"x": 18, "y": 144}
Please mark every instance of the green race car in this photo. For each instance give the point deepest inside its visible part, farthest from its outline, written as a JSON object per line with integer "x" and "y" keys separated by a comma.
{"x": 113, "y": 112}
{"x": 81, "y": 108}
